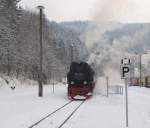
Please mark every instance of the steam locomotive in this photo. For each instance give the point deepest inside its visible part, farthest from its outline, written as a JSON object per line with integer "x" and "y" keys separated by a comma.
{"x": 80, "y": 80}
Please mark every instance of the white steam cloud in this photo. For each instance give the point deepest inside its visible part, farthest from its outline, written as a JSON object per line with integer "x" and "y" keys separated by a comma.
{"x": 112, "y": 10}
{"x": 106, "y": 50}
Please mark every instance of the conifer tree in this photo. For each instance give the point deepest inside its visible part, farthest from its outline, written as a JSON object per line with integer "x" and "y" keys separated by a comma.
{"x": 9, "y": 17}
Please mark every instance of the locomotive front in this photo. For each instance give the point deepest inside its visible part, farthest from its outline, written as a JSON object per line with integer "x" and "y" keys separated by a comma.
{"x": 80, "y": 81}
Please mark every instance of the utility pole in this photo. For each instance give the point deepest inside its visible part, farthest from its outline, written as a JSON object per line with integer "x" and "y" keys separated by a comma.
{"x": 40, "y": 94}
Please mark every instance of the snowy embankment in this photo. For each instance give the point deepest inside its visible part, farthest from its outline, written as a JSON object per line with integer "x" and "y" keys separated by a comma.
{"x": 103, "y": 112}
{"x": 21, "y": 107}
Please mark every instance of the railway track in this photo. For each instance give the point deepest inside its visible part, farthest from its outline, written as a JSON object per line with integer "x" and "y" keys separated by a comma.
{"x": 71, "y": 107}
{"x": 60, "y": 126}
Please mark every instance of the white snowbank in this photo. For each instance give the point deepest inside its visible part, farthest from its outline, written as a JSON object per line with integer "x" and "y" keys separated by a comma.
{"x": 22, "y": 107}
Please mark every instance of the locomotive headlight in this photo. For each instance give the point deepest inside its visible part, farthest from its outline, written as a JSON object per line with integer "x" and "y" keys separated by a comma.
{"x": 72, "y": 82}
{"x": 85, "y": 82}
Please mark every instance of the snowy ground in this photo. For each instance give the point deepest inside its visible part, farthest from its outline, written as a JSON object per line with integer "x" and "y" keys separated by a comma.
{"x": 21, "y": 107}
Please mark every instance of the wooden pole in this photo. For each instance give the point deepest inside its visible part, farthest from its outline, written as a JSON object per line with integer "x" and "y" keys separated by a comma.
{"x": 41, "y": 52}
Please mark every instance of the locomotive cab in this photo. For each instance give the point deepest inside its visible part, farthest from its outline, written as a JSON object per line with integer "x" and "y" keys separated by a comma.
{"x": 80, "y": 80}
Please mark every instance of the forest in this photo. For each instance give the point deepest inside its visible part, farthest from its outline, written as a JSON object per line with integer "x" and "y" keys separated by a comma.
{"x": 19, "y": 44}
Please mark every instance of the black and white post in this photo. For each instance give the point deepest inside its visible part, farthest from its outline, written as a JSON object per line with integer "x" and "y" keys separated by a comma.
{"x": 127, "y": 115}
{"x": 40, "y": 93}
{"x": 125, "y": 74}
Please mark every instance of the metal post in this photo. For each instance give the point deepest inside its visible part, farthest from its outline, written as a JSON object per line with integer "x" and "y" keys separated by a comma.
{"x": 41, "y": 51}
{"x": 71, "y": 52}
{"x": 8, "y": 59}
{"x": 126, "y": 97}
{"x": 53, "y": 85}
{"x": 140, "y": 70}
{"x": 107, "y": 87}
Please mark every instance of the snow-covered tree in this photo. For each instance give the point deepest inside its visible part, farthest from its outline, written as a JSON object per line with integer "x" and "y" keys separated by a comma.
{"x": 9, "y": 16}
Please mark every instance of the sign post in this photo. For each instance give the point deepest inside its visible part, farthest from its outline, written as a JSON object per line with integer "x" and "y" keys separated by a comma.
{"x": 125, "y": 73}
{"x": 107, "y": 85}
{"x": 53, "y": 85}
{"x": 126, "y": 90}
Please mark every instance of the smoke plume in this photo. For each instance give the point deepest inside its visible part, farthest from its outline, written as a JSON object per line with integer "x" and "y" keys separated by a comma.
{"x": 107, "y": 44}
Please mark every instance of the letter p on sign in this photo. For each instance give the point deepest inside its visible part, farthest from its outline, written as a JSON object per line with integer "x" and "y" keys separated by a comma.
{"x": 125, "y": 71}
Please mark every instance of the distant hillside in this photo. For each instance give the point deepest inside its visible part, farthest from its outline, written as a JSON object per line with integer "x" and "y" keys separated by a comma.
{"x": 136, "y": 34}
{"x": 111, "y": 41}
{"x": 65, "y": 37}
{"x": 79, "y": 26}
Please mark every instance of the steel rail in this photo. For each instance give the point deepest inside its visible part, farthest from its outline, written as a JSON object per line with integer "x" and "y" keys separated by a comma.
{"x": 62, "y": 124}
{"x": 49, "y": 115}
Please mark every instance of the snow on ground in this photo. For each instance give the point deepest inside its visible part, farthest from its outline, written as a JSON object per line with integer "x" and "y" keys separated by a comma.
{"x": 21, "y": 107}
{"x": 103, "y": 112}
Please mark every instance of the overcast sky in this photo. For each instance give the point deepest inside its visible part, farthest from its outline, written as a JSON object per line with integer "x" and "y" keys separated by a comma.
{"x": 66, "y": 10}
